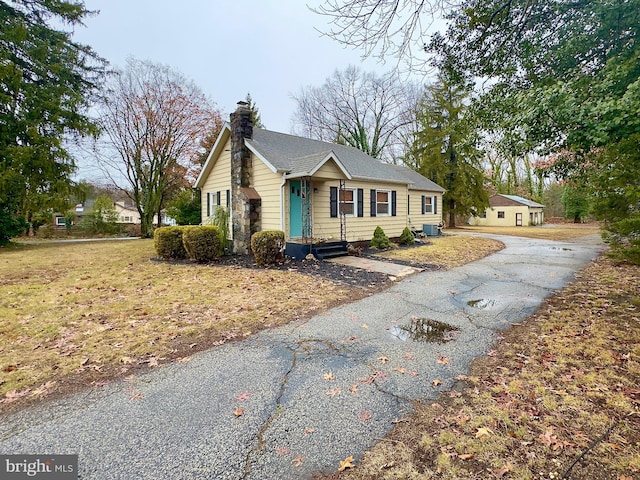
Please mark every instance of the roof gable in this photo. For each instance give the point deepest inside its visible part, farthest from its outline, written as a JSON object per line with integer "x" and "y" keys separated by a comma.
{"x": 215, "y": 152}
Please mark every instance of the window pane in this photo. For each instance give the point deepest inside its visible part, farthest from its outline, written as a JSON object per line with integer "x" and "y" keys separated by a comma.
{"x": 382, "y": 196}
{"x": 383, "y": 208}
{"x": 346, "y": 195}
{"x": 346, "y": 208}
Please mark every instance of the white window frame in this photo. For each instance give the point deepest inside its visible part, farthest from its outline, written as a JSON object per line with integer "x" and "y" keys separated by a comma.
{"x": 387, "y": 203}
{"x": 60, "y": 222}
{"x": 354, "y": 201}
{"x": 429, "y": 210}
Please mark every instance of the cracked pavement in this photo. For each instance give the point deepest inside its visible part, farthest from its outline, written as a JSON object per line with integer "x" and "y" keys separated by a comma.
{"x": 313, "y": 392}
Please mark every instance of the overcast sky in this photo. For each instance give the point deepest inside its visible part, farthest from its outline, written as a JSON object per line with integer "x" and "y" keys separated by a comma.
{"x": 269, "y": 48}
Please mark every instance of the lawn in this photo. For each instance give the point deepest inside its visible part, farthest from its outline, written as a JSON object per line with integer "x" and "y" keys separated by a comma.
{"x": 80, "y": 314}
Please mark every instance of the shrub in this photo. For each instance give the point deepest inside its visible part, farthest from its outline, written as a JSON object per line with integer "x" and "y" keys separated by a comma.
{"x": 380, "y": 239}
{"x": 407, "y": 237}
{"x": 168, "y": 242}
{"x": 202, "y": 244}
{"x": 221, "y": 220}
{"x": 267, "y": 246}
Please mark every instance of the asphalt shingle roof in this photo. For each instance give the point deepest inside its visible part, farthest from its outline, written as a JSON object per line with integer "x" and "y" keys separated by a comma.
{"x": 299, "y": 155}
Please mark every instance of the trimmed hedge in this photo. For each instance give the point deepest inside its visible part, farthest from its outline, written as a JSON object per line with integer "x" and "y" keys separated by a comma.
{"x": 267, "y": 246}
{"x": 380, "y": 239}
{"x": 407, "y": 237}
{"x": 168, "y": 243}
{"x": 202, "y": 244}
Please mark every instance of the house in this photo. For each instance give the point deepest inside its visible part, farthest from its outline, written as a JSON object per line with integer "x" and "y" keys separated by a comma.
{"x": 311, "y": 190}
{"x": 509, "y": 211}
{"x": 126, "y": 213}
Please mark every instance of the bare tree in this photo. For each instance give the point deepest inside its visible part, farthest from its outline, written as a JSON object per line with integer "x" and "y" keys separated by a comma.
{"x": 384, "y": 28}
{"x": 356, "y": 108}
{"x": 153, "y": 120}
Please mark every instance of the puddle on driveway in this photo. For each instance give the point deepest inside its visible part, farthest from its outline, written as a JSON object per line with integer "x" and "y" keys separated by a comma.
{"x": 424, "y": 330}
{"x": 481, "y": 303}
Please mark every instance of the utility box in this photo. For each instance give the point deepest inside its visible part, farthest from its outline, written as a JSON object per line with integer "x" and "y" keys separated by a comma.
{"x": 430, "y": 230}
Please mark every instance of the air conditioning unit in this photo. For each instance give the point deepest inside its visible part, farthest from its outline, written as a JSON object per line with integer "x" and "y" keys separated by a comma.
{"x": 430, "y": 230}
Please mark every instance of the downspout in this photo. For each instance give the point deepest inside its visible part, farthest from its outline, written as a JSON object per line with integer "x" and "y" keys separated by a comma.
{"x": 284, "y": 182}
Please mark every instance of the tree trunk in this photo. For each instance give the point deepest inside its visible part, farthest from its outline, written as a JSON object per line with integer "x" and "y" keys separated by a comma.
{"x": 452, "y": 214}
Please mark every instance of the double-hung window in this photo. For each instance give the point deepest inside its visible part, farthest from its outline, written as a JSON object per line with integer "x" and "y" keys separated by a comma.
{"x": 348, "y": 202}
{"x": 213, "y": 201}
{"x": 383, "y": 203}
{"x": 429, "y": 204}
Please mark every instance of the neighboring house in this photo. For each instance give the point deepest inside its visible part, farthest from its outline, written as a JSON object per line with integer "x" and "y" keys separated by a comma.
{"x": 129, "y": 214}
{"x": 126, "y": 213}
{"x": 509, "y": 211}
{"x": 313, "y": 191}
{"x": 80, "y": 209}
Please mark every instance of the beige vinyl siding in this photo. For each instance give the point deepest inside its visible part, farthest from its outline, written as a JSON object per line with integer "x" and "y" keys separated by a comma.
{"x": 267, "y": 184}
{"x": 330, "y": 171}
{"x": 219, "y": 180}
{"x": 509, "y": 219}
{"x": 358, "y": 228}
{"x": 416, "y": 218}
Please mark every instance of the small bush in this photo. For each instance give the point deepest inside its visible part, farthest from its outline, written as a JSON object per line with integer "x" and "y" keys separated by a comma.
{"x": 267, "y": 246}
{"x": 380, "y": 239}
{"x": 407, "y": 237}
{"x": 168, "y": 243}
{"x": 202, "y": 244}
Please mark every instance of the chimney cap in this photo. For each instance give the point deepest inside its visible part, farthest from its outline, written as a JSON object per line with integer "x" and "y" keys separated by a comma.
{"x": 242, "y": 103}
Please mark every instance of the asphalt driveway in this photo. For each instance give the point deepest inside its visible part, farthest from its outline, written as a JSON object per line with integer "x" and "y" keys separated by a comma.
{"x": 294, "y": 401}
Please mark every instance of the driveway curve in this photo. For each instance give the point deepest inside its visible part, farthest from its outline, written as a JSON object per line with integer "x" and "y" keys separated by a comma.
{"x": 292, "y": 402}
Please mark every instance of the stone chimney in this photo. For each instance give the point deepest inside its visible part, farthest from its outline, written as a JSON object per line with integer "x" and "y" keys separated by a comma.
{"x": 245, "y": 208}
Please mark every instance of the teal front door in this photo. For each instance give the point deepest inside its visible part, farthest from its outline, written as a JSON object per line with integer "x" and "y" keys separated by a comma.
{"x": 295, "y": 209}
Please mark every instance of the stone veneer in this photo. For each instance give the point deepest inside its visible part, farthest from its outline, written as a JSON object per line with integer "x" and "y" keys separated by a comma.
{"x": 245, "y": 211}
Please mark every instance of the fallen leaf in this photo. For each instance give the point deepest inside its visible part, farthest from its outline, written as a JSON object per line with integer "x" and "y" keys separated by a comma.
{"x": 126, "y": 360}
{"x": 401, "y": 370}
{"x": 353, "y": 388}
{"x": 333, "y": 392}
{"x": 346, "y": 463}
{"x": 153, "y": 362}
{"x": 184, "y": 359}
{"x": 328, "y": 376}
{"x": 442, "y": 360}
{"x": 466, "y": 456}
{"x": 500, "y": 472}
{"x": 364, "y": 325}
{"x": 484, "y": 432}
{"x": 436, "y": 382}
{"x": 297, "y": 461}
{"x": 365, "y": 416}
{"x": 309, "y": 431}
{"x": 413, "y": 373}
{"x": 238, "y": 412}
{"x": 282, "y": 450}
{"x": 383, "y": 359}
{"x": 243, "y": 396}
{"x": 408, "y": 356}
{"x": 400, "y": 420}
{"x": 136, "y": 396}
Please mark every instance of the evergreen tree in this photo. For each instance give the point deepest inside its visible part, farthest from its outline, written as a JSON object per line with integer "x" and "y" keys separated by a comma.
{"x": 445, "y": 149}
{"x": 255, "y": 112}
{"x": 46, "y": 81}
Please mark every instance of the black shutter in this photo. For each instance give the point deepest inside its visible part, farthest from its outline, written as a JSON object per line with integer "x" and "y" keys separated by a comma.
{"x": 208, "y": 204}
{"x": 393, "y": 203}
{"x": 218, "y": 199}
{"x": 333, "y": 201}
{"x": 373, "y": 203}
{"x": 408, "y": 203}
{"x": 360, "y": 202}
{"x": 435, "y": 204}
{"x": 423, "y": 201}
{"x": 228, "y": 199}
